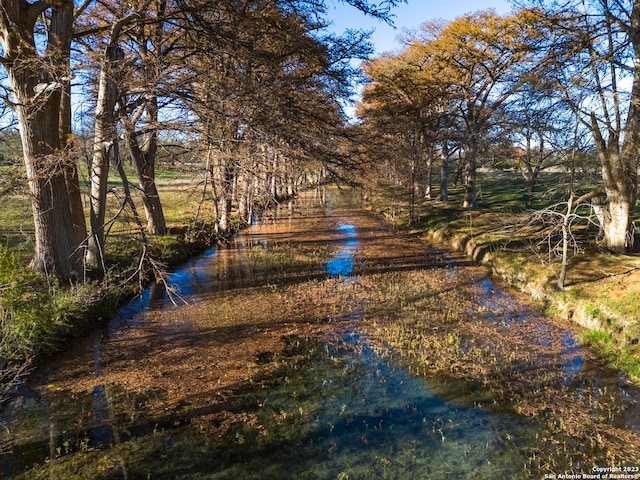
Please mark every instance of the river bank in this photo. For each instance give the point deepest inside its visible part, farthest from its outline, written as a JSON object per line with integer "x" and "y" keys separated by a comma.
{"x": 602, "y": 293}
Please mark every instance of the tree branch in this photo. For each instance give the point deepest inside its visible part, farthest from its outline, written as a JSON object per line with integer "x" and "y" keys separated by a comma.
{"x": 80, "y": 10}
{"x": 34, "y": 10}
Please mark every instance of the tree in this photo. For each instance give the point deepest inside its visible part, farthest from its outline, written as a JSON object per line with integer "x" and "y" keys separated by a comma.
{"x": 278, "y": 83}
{"x": 39, "y": 72}
{"x": 595, "y": 46}
{"x": 542, "y": 127}
{"x": 105, "y": 134}
{"x": 618, "y": 157}
{"x": 36, "y": 41}
{"x": 453, "y": 82}
{"x": 478, "y": 53}
{"x": 403, "y": 87}
{"x": 151, "y": 41}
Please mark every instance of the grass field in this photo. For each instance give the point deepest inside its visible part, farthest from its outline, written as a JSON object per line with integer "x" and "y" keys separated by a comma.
{"x": 181, "y": 194}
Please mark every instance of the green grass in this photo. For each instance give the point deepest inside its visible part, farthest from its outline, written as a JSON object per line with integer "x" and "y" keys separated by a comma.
{"x": 625, "y": 358}
{"x": 36, "y": 312}
{"x": 627, "y": 305}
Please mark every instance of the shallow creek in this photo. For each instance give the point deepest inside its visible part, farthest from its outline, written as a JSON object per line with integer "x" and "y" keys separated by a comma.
{"x": 320, "y": 344}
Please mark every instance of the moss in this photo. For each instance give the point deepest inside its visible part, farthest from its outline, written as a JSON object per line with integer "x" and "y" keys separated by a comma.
{"x": 594, "y": 312}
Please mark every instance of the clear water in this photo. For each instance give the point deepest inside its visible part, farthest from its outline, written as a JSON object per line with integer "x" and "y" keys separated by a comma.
{"x": 342, "y": 264}
{"x": 338, "y": 406}
{"x": 369, "y": 418}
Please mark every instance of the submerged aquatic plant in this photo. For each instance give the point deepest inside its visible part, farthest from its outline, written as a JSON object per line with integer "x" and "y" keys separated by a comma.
{"x": 395, "y": 372}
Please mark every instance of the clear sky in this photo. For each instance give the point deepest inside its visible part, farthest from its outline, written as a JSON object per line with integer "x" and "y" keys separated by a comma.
{"x": 408, "y": 16}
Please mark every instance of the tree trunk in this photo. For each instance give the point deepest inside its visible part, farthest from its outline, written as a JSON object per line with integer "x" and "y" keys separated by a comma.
{"x": 224, "y": 179}
{"x": 428, "y": 187}
{"x": 245, "y": 202}
{"x": 37, "y": 92}
{"x": 531, "y": 189}
{"x": 619, "y": 175}
{"x": 444, "y": 173}
{"x": 470, "y": 200}
{"x": 144, "y": 148}
{"x": 566, "y": 225}
{"x": 619, "y": 165}
{"x": 618, "y": 224}
{"x": 273, "y": 190}
{"x": 61, "y": 29}
{"x": 103, "y": 137}
{"x": 144, "y": 159}
{"x": 291, "y": 188}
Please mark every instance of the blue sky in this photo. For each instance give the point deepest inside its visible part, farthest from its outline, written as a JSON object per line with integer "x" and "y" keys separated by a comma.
{"x": 408, "y": 16}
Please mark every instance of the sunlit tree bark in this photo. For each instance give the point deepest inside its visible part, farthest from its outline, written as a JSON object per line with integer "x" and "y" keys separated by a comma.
{"x": 620, "y": 171}
{"x": 603, "y": 40}
{"x": 105, "y": 134}
{"x": 62, "y": 30}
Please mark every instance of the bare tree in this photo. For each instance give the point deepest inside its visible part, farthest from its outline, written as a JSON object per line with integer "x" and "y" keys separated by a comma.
{"x": 595, "y": 45}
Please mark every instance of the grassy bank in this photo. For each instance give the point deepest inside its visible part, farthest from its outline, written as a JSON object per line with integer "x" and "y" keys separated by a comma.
{"x": 602, "y": 290}
{"x": 39, "y": 314}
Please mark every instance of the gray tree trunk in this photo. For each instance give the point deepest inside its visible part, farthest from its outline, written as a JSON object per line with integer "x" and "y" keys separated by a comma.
{"x": 144, "y": 148}
{"x": 103, "y": 138}
{"x": 470, "y": 200}
{"x": 144, "y": 159}
{"x": 61, "y": 29}
{"x": 620, "y": 172}
{"x": 444, "y": 173}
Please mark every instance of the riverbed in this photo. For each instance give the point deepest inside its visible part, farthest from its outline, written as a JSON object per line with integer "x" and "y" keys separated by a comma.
{"x": 323, "y": 344}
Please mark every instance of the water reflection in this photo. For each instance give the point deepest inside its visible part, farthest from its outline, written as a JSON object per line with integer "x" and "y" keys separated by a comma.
{"x": 342, "y": 264}
{"x": 572, "y": 367}
{"x": 193, "y": 278}
{"x": 367, "y": 417}
{"x": 102, "y": 434}
{"x": 504, "y": 310}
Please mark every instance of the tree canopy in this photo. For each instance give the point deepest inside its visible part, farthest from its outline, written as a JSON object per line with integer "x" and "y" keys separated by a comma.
{"x": 521, "y": 89}
{"x": 254, "y": 89}
{"x": 254, "y": 93}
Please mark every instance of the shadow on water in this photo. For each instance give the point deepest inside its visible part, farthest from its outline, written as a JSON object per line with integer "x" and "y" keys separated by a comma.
{"x": 590, "y": 382}
{"x": 334, "y": 409}
{"x": 337, "y": 405}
